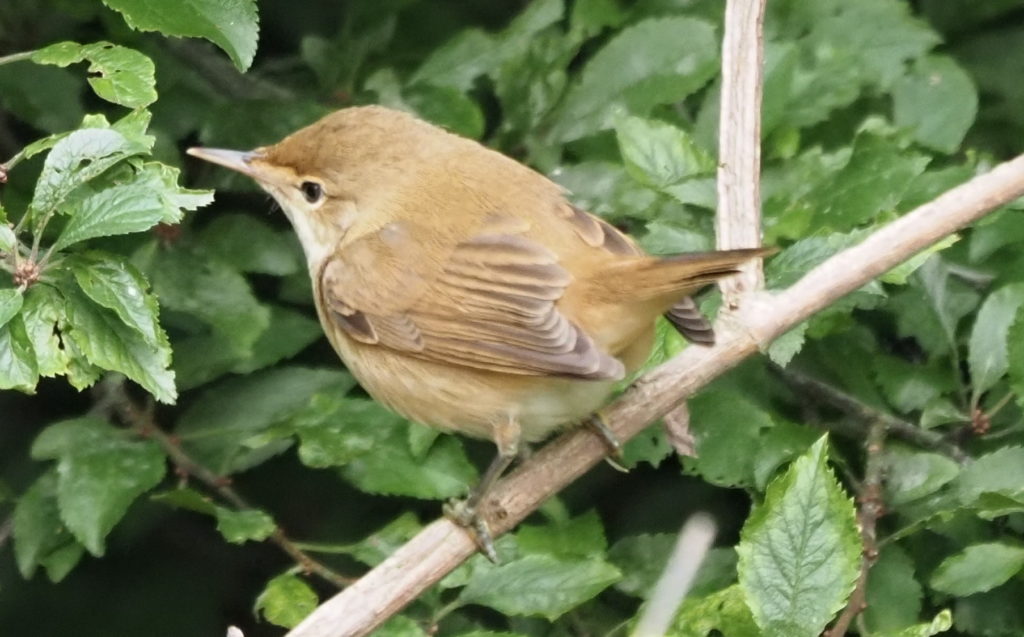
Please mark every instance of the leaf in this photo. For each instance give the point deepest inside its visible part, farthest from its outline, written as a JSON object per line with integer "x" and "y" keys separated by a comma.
{"x": 239, "y": 527}
{"x": 100, "y": 472}
{"x": 222, "y": 429}
{"x": 995, "y": 613}
{"x": 40, "y": 538}
{"x": 116, "y": 73}
{"x": 77, "y": 158}
{"x": 400, "y": 626}
{"x": 893, "y": 593}
{"x": 446, "y": 107}
{"x": 907, "y": 386}
{"x": 251, "y": 245}
{"x": 580, "y": 537}
{"x": 912, "y": 474}
{"x": 459, "y": 61}
{"x": 987, "y": 349}
{"x": 233, "y": 25}
{"x": 7, "y": 238}
{"x": 10, "y": 304}
{"x": 727, "y": 429}
{"x": 1001, "y": 471}
{"x": 722, "y": 613}
{"x": 118, "y": 286}
{"x": 800, "y": 549}
{"x": 377, "y": 546}
{"x": 42, "y": 311}
{"x": 655, "y": 61}
{"x": 659, "y": 154}
{"x": 18, "y": 366}
{"x": 107, "y": 342}
{"x": 286, "y": 600}
{"x": 936, "y": 80}
{"x": 978, "y": 568}
{"x": 539, "y": 585}
{"x": 940, "y": 624}
{"x": 643, "y": 558}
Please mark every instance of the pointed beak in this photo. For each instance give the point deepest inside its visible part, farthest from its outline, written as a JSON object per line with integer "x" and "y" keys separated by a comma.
{"x": 234, "y": 159}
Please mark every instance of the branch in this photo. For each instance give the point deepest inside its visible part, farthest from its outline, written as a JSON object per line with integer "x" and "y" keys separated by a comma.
{"x": 871, "y": 508}
{"x": 738, "y": 222}
{"x": 868, "y": 414}
{"x": 142, "y": 422}
{"x": 442, "y": 545}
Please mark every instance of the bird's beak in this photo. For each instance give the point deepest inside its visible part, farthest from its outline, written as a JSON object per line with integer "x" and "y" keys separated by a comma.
{"x": 240, "y": 161}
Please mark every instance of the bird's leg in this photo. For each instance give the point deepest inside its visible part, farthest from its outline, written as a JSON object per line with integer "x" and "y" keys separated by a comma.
{"x": 508, "y": 438}
{"x": 595, "y": 423}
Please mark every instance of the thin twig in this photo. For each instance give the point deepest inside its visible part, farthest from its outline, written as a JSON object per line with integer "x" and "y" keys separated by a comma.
{"x": 865, "y": 414}
{"x": 141, "y": 421}
{"x": 871, "y": 507}
{"x": 738, "y": 222}
{"x": 443, "y": 545}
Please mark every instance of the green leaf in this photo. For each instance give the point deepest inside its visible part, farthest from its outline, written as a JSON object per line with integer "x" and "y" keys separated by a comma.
{"x": 7, "y": 238}
{"x": 642, "y": 560}
{"x": 655, "y": 61}
{"x": 723, "y": 613}
{"x": 539, "y": 585}
{"x": 447, "y": 107}
{"x": 893, "y": 593}
{"x": 107, "y": 342}
{"x": 942, "y": 622}
{"x": 996, "y": 613}
{"x": 936, "y": 80}
{"x": 659, "y": 154}
{"x": 100, "y": 473}
{"x": 118, "y": 286}
{"x": 116, "y": 73}
{"x": 188, "y": 499}
{"x": 987, "y": 350}
{"x": 907, "y": 386}
{"x": 377, "y": 546}
{"x": 458, "y": 62}
{"x": 286, "y": 600}
{"x": 239, "y": 527}
{"x": 912, "y": 474}
{"x": 224, "y": 428}
{"x": 400, "y": 626}
{"x": 1001, "y": 471}
{"x": 800, "y": 549}
{"x": 978, "y": 568}
{"x": 251, "y": 245}
{"x": 40, "y": 538}
{"x": 42, "y": 311}
{"x": 76, "y": 159}
{"x": 10, "y": 304}
{"x": 18, "y": 366}
{"x": 580, "y": 537}
{"x": 727, "y": 429}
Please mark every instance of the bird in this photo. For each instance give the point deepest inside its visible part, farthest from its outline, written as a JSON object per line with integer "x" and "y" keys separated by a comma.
{"x": 463, "y": 289}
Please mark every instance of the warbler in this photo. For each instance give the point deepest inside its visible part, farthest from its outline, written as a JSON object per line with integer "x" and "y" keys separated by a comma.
{"x": 462, "y": 288}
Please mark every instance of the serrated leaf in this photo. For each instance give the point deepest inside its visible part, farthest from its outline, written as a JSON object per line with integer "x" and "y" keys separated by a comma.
{"x": 893, "y": 593}
{"x": 539, "y": 585}
{"x": 800, "y": 550}
{"x": 18, "y": 366}
{"x": 936, "y": 80}
{"x": 1001, "y": 471}
{"x": 100, "y": 472}
{"x": 10, "y": 304}
{"x": 105, "y": 341}
{"x": 239, "y": 527}
{"x": 655, "y": 61}
{"x": 987, "y": 349}
{"x": 222, "y": 428}
{"x": 77, "y": 158}
{"x": 40, "y": 538}
{"x": 117, "y": 74}
{"x": 978, "y": 568}
{"x": 112, "y": 211}
{"x": 42, "y": 311}
{"x": 940, "y": 624}
{"x": 286, "y": 600}
{"x": 118, "y": 286}
{"x": 912, "y": 474}
{"x": 722, "y": 613}
{"x": 727, "y": 429}
{"x": 233, "y": 25}
{"x": 658, "y": 154}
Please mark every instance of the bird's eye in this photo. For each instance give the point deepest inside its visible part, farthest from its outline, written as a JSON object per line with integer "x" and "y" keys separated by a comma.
{"x": 312, "y": 191}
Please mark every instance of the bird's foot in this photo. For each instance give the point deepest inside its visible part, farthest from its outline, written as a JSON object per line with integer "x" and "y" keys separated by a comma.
{"x": 614, "y": 458}
{"x": 465, "y": 514}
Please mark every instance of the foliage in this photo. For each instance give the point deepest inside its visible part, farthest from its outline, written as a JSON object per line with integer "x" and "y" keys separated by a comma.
{"x": 193, "y": 324}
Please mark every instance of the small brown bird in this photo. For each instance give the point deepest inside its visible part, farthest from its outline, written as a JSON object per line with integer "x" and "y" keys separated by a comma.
{"x": 460, "y": 287}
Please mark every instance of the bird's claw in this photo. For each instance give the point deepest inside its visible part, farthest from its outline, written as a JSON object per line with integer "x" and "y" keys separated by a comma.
{"x": 466, "y": 515}
{"x": 614, "y": 458}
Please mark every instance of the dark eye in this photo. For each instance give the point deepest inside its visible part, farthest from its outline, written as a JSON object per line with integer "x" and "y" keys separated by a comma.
{"x": 312, "y": 191}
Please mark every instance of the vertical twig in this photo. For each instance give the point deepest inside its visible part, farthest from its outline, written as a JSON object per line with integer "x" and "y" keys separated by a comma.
{"x": 738, "y": 223}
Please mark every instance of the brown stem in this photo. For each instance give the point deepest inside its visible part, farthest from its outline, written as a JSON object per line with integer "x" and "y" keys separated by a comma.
{"x": 866, "y": 416}
{"x": 871, "y": 507}
{"x": 442, "y": 545}
{"x": 141, "y": 420}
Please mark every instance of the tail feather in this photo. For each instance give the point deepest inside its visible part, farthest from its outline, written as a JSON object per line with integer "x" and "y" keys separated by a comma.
{"x": 688, "y": 320}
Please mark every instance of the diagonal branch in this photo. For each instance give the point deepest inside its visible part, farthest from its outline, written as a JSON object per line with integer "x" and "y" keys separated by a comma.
{"x": 442, "y": 545}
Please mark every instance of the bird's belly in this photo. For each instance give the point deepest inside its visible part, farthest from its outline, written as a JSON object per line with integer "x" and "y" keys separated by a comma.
{"x": 473, "y": 402}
